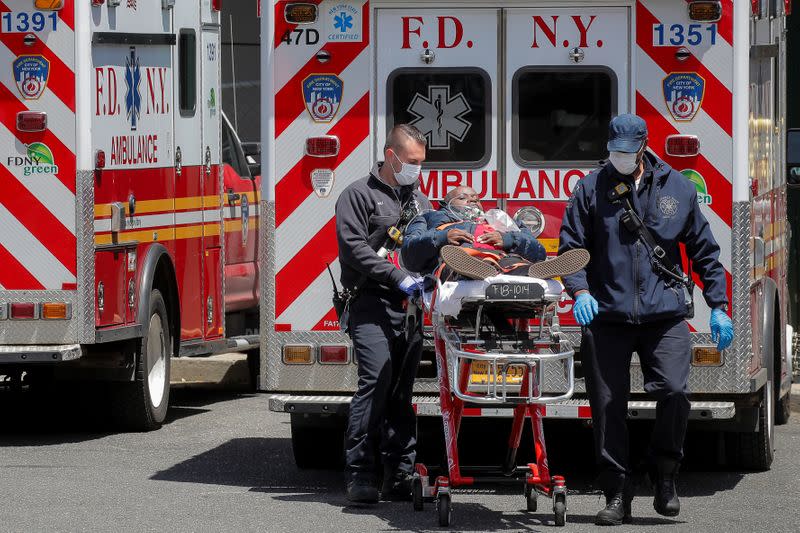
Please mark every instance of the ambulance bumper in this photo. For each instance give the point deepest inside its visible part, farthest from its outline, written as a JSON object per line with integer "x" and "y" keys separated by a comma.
{"x": 429, "y": 406}
{"x": 39, "y": 354}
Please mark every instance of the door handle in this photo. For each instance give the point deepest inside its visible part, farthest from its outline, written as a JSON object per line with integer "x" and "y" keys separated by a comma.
{"x": 233, "y": 197}
{"x": 208, "y": 161}
{"x": 178, "y": 161}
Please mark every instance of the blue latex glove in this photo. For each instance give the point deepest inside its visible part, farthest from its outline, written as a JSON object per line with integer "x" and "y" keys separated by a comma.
{"x": 721, "y": 329}
{"x": 585, "y": 308}
{"x": 411, "y": 285}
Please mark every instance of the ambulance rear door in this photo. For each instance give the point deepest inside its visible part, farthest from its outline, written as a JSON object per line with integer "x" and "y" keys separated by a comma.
{"x": 567, "y": 73}
{"x": 437, "y": 70}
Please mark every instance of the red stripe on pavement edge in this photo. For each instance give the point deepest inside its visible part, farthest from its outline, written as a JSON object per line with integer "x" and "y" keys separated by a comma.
{"x": 295, "y": 186}
{"x": 718, "y": 100}
{"x": 14, "y": 276}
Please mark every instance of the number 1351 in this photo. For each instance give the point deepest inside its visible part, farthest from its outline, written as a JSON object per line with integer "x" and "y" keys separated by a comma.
{"x": 684, "y": 34}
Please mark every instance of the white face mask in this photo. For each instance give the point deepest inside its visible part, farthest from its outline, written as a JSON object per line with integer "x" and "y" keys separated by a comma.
{"x": 625, "y": 163}
{"x": 408, "y": 173}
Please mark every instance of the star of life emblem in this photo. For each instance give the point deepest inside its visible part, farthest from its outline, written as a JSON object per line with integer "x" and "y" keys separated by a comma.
{"x": 440, "y": 117}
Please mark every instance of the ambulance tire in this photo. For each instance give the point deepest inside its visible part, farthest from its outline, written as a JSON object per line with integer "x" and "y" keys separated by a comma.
{"x": 142, "y": 404}
{"x": 755, "y": 450}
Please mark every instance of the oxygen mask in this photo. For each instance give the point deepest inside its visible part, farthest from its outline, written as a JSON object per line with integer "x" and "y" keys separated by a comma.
{"x": 466, "y": 212}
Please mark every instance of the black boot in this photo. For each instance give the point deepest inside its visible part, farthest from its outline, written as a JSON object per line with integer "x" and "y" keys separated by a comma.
{"x": 614, "y": 512}
{"x": 663, "y": 475}
{"x": 396, "y": 486}
{"x": 628, "y": 493}
{"x": 361, "y": 490}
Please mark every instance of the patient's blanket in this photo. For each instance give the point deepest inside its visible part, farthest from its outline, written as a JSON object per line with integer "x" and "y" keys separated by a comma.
{"x": 451, "y": 294}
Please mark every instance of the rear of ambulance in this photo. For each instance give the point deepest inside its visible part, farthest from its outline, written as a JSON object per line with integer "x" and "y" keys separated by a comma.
{"x": 44, "y": 201}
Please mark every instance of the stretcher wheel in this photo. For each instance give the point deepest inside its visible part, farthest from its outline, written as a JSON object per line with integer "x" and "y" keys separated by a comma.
{"x": 416, "y": 492}
{"x": 444, "y": 510}
{"x": 560, "y": 509}
{"x": 531, "y": 498}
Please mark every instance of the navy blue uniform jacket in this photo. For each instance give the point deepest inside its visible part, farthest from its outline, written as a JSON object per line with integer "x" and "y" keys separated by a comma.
{"x": 422, "y": 241}
{"x": 620, "y": 275}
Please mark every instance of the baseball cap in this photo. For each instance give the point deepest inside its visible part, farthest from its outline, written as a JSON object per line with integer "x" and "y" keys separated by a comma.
{"x": 626, "y": 133}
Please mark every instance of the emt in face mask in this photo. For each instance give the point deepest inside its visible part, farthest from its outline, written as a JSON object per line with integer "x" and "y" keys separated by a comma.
{"x": 630, "y": 298}
{"x": 381, "y": 419}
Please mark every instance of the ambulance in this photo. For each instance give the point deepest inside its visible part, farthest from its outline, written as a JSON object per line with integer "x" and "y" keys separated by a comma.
{"x": 515, "y": 98}
{"x": 128, "y": 212}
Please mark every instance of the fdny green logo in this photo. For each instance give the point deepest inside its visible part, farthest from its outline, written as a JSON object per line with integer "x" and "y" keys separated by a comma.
{"x": 703, "y": 198}
{"x": 38, "y": 159}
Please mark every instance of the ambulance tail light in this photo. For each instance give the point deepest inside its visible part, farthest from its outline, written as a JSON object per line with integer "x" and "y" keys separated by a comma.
{"x": 705, "y": 11}
{"x": 334, "y": 354}
{"x": 31, "y": 121}
{"x": 48, "y": 5}
{"x": 298, "y": 354}
{"x": 55, "y": 311}
{"x": 322, "y": 146}
{"x": 98, "y": 2}
{"x": 216, "y": 5}
{"x": 23, "y": 311}
{"x": 100, "y": 160}
{"x": 706, "y": 356}
{"x": 682, "y": 145}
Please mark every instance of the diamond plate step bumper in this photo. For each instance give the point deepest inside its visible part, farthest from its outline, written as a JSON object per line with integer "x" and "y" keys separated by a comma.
{"x": 429, "y": 406}
{"x": 39, "y": 354}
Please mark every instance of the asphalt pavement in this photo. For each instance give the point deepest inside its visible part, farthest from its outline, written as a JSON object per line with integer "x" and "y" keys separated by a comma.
{"x": 223, "y": 462}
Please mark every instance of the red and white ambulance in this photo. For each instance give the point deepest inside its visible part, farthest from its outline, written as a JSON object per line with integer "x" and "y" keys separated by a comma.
{"x": 515, "y": 98}
{"x": 128, "y": 215}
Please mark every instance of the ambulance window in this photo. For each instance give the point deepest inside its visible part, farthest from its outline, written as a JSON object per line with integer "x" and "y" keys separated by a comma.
{"x": 561, "y": 116}
{"x": 451, "y": 106}
{"x": 187, "y": 67}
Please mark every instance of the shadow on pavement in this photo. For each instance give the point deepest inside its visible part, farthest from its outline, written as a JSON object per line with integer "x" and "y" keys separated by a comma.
{"x": 79, "y": 412}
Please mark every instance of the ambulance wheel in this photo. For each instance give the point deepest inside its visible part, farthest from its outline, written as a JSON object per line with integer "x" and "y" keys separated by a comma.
{"x": 755, "y": 450}
{"x": 560, "y": 509}
{"x": 531, "y": 499}
{"x": 444, "y": 510}
{"x": 142, "y": 404}
{"x": 416, "y": 493}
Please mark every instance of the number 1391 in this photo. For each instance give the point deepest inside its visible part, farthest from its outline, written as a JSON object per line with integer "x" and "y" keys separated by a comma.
{"x": 684, "y": 34}
{"x": 22, "y": 22}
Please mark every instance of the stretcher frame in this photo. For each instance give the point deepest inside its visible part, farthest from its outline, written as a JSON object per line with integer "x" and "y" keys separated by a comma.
{"x": 454, "y": 356}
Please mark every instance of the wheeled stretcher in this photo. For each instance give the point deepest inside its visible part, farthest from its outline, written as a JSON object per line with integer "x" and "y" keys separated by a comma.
{"x": 495, "y": 340}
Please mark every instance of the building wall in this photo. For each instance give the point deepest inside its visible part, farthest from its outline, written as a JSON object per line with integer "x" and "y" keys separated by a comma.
{"x": 241, "y": 73}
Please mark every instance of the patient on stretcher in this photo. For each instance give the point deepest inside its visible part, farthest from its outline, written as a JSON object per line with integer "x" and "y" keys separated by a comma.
{"x": 477, "y": 245}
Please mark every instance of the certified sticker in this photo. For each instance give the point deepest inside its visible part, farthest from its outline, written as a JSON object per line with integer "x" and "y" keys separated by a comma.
{"x": 683, "y": 94}
{"x": 344, "y": 23}
{"x": 322, "y": 94}
{"x": 31, "y": 74}
{"x": 322, "y": 181}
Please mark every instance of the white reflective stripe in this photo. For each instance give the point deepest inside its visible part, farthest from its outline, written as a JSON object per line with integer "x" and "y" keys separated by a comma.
{"x": 715, "y": 145}
{"x": 292, "y": 141}
{"x": 62, "y": 43}
{"x": 290, "y": 59}
{"x": 47, "y": 188}
{"x": 60, "y": 120}
{"x": 310, "y": 216}
{"x": 722, "y": 234}
{"x": 31, "y": 253}
{"x": 314, "y": 303}
{"x": 718, "y": 59}
{"x": 160, "y": 220}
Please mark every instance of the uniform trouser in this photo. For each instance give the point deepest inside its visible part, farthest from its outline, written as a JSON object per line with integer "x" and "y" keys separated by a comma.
{"x": 381, "y": 414}
{"x": 664, "y": 352}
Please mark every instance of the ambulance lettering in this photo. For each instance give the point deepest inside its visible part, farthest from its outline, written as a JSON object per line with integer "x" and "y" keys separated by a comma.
{"x": 546, "y": 30}
{"x": 449, "y": 32}
{"x": 543, "y": 184}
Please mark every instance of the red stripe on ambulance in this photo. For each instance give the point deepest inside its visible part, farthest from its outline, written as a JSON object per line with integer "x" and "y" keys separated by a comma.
{"x": 14, "y": 276}
{"x": 37, "y": 219}
{"x": 289, "y": 104}
{"x": 718, "y": 101}
{"x": 295, "y": 186}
